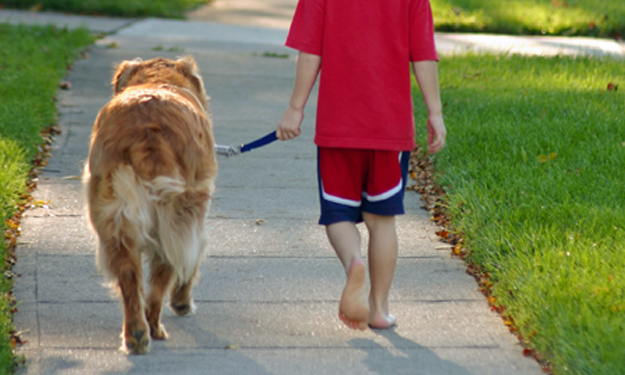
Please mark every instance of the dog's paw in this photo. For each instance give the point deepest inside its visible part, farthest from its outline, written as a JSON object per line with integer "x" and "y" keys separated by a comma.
{"x": 182, "y": 309}
{"x": 138, "y": 342}
{"x": 159, "y": 333}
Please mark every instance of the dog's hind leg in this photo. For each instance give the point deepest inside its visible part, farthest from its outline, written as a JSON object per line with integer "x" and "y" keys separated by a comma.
{"x": 125, "y": 264}
{"x": 161, "y": 274}
{"x": 181, "y": 299}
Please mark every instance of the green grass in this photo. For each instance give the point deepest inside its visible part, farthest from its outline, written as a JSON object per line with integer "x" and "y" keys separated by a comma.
{"x": 551, "y": 232}
{"x": 32, "y": 62}
{"x": 605, "y": 18}
{"x": 121, "y": 8}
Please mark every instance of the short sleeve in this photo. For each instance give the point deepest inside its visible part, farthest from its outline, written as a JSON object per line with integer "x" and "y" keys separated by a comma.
{"x": 422, "y": 45}
{"x": 306, "y": 32}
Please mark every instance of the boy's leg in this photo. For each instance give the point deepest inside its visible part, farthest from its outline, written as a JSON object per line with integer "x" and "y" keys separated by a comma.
{"x": 354, "y": 307}
{"x": 341, "y": 174}
{"x": 382, "y": 261}
{"x": 382, "y": 202}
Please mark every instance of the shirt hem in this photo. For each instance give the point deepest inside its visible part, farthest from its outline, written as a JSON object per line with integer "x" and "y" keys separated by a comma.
{"x": 302, "y": 47}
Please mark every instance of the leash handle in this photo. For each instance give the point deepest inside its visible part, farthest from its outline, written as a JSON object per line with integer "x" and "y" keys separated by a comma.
{"x": 259, "y": 142}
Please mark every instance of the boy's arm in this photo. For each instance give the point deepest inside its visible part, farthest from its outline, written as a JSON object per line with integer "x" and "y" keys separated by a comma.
{"x": 427, "y": 77}
{"x": 308, "y": 66}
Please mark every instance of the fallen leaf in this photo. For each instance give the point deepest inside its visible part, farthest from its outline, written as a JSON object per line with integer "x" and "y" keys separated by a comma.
{"x": 443, "y": 234}
{"x": 542, "y": 158}
{"x": 70, "y": 178}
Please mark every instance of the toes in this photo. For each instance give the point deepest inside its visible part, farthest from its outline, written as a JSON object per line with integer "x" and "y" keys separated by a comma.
{"x": 383, "y": 323}
{"x": 159, "y": 333}
{"x": 138, "y": 342}
{"x": 180, "y": 309}
{"x": 352, "y": 324}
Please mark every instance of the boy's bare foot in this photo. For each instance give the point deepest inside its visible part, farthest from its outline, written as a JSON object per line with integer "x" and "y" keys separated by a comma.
{"x": 354, "y": 306}
{"x": 381, "y": 321}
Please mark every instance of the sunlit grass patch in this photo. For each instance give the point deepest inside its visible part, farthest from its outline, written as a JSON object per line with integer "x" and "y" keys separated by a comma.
{"x": 604, "y": 18}
{"x": 32, "y": 62}
{"x": 535, "y": 177}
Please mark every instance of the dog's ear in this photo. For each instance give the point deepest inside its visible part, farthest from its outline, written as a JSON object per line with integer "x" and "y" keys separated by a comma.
{"x": 123, "y": 72}
{"x": 188, "y": 67}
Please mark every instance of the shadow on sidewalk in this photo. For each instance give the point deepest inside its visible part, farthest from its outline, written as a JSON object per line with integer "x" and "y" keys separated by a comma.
{"x": 404, "y": 357}
{"x": 204, "y": 353}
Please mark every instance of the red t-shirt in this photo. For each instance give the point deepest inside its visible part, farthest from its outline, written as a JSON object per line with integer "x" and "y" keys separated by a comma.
{"x": 365, "y": 48}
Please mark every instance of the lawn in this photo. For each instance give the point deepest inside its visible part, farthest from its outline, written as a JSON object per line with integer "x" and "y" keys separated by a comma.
{"x": 534, "y": 173}
{"x": 120, "y": 8}
{"x": 604, "y": 18}
{"x": 32, "y": 62}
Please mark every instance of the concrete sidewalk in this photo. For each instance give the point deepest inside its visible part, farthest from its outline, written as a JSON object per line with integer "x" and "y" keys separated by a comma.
{"x": 268, "y": 295}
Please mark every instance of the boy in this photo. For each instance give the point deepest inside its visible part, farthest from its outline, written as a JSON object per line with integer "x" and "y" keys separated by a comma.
{"x": 365, "y": 129}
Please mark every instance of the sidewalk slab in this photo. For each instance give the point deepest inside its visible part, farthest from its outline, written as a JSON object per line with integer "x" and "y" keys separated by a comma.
{"x": 450, "y": 43}
{"x": 173, "y": 30}
{"x": 264, "y": 13}
{"x": 367, "y": 361}
{"x": 259, "y": 280}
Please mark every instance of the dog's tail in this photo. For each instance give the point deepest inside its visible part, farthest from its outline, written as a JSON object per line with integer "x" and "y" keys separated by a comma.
{"x": 164, "y": 216}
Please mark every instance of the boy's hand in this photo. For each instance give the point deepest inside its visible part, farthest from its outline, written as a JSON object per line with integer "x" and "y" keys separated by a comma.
{"x": 289, "y": 125}
{"x": 436, "y": 133}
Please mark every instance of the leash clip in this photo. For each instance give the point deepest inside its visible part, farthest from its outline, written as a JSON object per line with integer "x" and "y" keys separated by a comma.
{"x": 228, "y": 151}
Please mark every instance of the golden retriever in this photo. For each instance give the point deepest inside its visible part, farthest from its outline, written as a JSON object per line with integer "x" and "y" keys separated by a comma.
{"x": 148, "y": 182}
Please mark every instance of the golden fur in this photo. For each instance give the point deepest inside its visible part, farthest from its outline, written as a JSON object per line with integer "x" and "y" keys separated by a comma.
{"x": 148, "y": 182}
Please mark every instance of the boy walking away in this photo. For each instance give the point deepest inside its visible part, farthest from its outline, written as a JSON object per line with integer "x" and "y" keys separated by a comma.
{"x": 365, "y": 129}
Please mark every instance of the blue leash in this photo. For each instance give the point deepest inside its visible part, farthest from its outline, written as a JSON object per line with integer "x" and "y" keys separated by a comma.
{"x": 231, "y": 151}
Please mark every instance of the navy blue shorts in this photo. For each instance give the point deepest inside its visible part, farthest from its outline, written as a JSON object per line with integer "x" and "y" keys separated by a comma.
{"x": 353, "y": 181}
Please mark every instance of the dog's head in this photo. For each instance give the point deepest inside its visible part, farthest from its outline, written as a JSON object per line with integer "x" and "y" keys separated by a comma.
{"x": 180, "y": 73}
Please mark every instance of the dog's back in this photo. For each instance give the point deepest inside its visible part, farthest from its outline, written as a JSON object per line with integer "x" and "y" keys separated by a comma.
{"x": 151, "y": 172}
